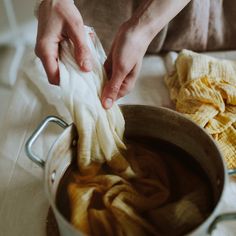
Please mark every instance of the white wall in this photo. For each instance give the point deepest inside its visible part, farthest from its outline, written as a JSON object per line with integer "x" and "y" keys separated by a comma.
{"x": 17, "y": 32}
{"x": 15, "y": 15}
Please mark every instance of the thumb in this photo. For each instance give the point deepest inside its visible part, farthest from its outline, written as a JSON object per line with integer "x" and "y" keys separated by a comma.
{"x": 111, "y": 90}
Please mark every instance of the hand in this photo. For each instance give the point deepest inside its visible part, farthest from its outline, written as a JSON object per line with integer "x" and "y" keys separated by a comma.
{"x": 56, "y": 23}
{"x": 130, "y": 44}
{"x": 123, "y": 63}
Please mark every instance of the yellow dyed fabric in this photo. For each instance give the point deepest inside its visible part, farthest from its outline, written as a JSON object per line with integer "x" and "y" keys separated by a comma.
{"x": 149, "y": 204}
{"x": 204, "y": 90}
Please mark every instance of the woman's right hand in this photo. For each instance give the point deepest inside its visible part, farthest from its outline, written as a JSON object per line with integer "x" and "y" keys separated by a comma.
{"x": 57, "y": 22}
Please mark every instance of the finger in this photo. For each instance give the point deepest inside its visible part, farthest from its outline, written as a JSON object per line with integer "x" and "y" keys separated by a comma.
{"x": 111, "y": 90}
{"x": 108, "y": 66}
{"x": 129, "y": 81}
{"x": 77, "y": 34}
{"x": 82, "y": 51}
{"x": 48, "y": 53}
{"x": 51, "y": 67}
{"x": 126, "y": 87}
{"x": 108, "y": 63}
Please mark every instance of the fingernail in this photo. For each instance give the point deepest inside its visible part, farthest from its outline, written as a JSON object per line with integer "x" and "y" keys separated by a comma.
{"x": 86, "y": 64}
{"x": 108, "y": 103}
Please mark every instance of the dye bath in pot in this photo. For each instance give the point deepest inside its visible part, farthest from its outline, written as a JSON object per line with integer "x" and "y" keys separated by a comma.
{"x": 185, "y": 175}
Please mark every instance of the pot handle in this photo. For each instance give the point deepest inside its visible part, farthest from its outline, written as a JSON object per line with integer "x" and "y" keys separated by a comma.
{"x": 224, "y": 216}
{"x": 28, "y": 146}
{"x": 232, "y": 172}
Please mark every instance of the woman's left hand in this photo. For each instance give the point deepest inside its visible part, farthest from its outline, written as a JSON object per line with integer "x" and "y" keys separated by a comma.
{"x": 130, "y": 44}
{"x": 123, "y": 63}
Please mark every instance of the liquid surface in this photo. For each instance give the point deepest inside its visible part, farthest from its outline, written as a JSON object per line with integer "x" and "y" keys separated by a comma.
{"x": 185, "y": 178}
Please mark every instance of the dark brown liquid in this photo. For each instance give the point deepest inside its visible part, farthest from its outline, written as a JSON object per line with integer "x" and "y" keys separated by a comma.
{"x": 185, "y": 175}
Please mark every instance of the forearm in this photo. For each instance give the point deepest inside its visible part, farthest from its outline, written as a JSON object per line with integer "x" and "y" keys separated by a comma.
{"x": 152, "y": 15}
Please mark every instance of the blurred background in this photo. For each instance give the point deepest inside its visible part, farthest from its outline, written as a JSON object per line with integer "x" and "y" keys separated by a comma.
{"x": 17, "y": 33}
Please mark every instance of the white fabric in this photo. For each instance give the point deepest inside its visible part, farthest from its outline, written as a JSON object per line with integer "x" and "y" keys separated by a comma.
{"x": 77, "y": 100}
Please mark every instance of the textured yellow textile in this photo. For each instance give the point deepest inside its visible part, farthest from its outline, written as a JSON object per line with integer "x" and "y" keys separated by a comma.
{"x": 204, "y": 89}
{"x": 110, "y": 205}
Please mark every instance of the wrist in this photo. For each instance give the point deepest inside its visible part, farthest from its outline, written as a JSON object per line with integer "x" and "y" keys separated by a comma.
{"x": 144, "y": 33}
{"x": 152, "y": 16}
{"x": 146, "y": 21}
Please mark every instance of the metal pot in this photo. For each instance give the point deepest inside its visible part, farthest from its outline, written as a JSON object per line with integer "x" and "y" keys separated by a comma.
{"x": 146, "y": 121}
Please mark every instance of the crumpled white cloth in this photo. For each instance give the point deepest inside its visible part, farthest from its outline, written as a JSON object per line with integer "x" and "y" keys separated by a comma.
{"x": 77, "y": 99}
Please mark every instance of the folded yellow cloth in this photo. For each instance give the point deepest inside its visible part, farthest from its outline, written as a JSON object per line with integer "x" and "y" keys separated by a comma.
{"x": 204, "y": 90}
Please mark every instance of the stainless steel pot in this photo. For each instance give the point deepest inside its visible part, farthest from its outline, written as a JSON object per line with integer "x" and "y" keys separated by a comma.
{"x": 140, "y": 121}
